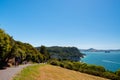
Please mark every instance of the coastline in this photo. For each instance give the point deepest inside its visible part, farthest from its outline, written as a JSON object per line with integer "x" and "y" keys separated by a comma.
{"x": 103, "y": 59}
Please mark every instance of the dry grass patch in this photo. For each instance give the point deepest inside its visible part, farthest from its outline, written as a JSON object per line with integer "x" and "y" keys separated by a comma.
{"x": 49, "y": 72}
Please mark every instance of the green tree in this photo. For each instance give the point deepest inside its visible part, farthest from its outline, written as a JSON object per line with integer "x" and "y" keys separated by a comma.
{"x": 44, "y": 52}
{"x": 6, "y": 45}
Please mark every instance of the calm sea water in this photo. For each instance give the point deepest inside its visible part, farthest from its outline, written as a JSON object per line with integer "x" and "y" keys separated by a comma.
{"x": 111, "y": 61}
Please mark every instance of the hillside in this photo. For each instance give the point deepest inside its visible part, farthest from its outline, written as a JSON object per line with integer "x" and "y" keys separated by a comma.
{"x": 16, "y": 52}
{"x": 70, "y": 53}
{"x": 49, "y": 72}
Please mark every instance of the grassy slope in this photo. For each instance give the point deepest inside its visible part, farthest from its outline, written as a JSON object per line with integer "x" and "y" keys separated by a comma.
{"x": 49, "y": 72}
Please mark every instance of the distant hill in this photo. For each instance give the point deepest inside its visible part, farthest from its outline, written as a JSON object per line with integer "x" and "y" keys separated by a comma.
{"x": 96, "y": 50}
{"x": 70, "y": 53}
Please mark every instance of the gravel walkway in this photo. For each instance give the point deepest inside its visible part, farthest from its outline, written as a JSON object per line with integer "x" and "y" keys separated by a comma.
{"x": 8, "y": 74}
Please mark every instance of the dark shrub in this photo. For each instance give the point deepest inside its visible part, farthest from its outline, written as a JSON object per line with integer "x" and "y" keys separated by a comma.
{"x": 111, "y": 76}
{"x": 96, "y": 68}
{"x": 54, "y": 62}
{"x": 76, "y": 66}
{"x": 61, "y": 65}
{"x": 118, "y": 72}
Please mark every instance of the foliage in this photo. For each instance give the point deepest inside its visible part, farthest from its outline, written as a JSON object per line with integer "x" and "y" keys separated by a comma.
{"x": 110, "y": 75}
{"x": 86, "y": 68}
{"x": 6, "y": 45}
{"x": 9, "y": 49}
{"x": 68, "y": 53}
{"x": 54, "y": 62}
{"x": 118, "y": 72}
{"x": 44, "y": 52}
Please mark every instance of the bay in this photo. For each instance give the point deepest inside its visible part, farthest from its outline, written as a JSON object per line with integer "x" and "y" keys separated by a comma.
{"x": 111, "y": 61}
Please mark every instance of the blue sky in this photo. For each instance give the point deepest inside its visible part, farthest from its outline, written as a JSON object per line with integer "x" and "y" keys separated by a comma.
{"x": 81, "y": 23}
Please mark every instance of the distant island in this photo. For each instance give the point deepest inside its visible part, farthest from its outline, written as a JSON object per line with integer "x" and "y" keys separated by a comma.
{"x": 96, "y": 50}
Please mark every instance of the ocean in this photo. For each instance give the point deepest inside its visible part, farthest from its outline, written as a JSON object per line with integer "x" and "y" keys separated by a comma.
{"x": 111, "y": 61}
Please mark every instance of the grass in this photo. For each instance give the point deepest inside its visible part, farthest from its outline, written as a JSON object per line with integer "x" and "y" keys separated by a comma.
{"x": 49, "y": 72}
{"x": 29, "y": 73}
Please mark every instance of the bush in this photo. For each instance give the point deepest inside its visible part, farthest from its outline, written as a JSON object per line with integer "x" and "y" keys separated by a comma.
{"x": 76, "y": 66}
{"x": 54, "y": 62}
{"x": 96, "y": 68}
{"x": 61, "y": 65}
{"x": 92, "y": 72}
{"x": 89, "y": 69}
{"x": 68, "y": 65}
{"x": 110, "y": 75}
{"x": 118, "y": 72}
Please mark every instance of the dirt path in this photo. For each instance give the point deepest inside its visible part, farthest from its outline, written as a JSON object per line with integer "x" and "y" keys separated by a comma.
{"x": 8, "y": 73}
